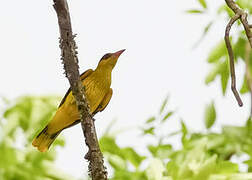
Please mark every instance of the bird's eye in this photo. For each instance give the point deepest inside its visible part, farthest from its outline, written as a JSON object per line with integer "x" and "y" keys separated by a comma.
{"x": 106, "y": 56}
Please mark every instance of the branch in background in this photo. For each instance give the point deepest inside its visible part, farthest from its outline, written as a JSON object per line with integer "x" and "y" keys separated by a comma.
{"x": 70, "y": 60}
{"x": 248, "y": 74}
{"x": 231, "y": 59}
{"x": 242, "y": 15}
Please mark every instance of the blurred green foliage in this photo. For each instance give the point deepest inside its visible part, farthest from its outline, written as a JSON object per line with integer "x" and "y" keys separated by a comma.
{"x": 205, "y": 155}
{"x": 218, "y": 56}
{"x": 19, "y": 122}
{"x": 202, "y": 156}
{"x": 210, "y": 115}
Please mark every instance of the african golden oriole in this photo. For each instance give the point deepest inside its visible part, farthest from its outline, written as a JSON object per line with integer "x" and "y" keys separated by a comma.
{"x": 98, "y": 94}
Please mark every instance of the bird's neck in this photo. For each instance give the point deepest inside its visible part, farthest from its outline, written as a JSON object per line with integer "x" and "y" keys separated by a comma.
{"x": 104, "y": 73}
{"x": 104, "y": 70}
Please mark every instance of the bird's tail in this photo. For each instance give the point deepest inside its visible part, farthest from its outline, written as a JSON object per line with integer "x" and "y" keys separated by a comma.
{"x": 44, "y": 140}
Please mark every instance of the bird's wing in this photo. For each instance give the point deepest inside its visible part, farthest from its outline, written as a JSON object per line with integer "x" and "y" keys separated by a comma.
{"x": 104, "y": 102}
{"x": 86, "y": 74}
{"x": 82, "y": 77}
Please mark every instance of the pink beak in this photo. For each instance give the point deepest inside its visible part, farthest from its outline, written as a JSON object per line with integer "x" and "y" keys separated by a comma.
{"x": 118, "y": 53}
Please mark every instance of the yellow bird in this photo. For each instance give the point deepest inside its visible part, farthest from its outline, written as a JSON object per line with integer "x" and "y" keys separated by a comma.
{"x": 98, "y": 94}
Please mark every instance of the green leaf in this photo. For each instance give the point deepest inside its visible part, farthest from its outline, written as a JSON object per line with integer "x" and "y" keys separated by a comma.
{"x": 249, "y": 124}
{"x": 163, "y": 105}
{"x": 194, "y": 11}
{"x": 210, "y": 115}
{"x": 239, "y": 46}
{"x": 245, "y": 4}
{"x": 184, "y": 128}
{"x": 206, "y": 29}
{"x": 217, "y": 69}
{"x": 60, "y": 142}
{"x": 149, "y": 131}
{"x": 153, "y": 150}
{"x": 224, "y": 73}
{"x": 108, "y": 144}
{"x": 173, "y": 169}
{"x": 184, "y": 132}
{"x": 244, "y": 89}
{"x": 151, "y": 119}
{"x": 169, "y": 114}
{"x": 217, "y": 52}
{"x": 132, "y": 156}
{"x": 203, "y": 3}
{"x": 117, "y": 162}
{"x": 161, "y": 151}
{"x": 225, "y": 9}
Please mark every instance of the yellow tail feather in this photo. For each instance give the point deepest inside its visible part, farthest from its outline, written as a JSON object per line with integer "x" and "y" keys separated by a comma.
{"x": 44, "y": 140}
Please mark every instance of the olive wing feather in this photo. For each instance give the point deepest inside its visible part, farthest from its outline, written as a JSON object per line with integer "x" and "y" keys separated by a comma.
{"x": 82, "y": 77}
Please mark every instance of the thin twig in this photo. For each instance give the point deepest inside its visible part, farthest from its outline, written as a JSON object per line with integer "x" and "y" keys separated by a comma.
{"x": 242, "y": 15}
{"x": 231, "y": 59}
{"x": 70, "y": 60}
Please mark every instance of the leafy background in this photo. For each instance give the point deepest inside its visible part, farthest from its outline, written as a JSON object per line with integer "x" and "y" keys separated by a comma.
{"x": 224, "y": 155}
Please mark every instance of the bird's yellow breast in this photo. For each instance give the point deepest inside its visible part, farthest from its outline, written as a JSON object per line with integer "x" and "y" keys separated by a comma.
{"x": 96, "y": 87}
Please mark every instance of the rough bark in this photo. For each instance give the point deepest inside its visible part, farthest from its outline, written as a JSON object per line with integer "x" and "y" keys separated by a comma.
{"x": 70, "y": 60}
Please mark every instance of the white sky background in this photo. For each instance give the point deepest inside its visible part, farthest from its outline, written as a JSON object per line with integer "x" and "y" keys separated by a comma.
{"x": 159, "y": 60}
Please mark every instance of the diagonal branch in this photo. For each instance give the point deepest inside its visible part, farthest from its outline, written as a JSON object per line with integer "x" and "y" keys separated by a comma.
{"x": 242, "y": 15}
{"x": 70, "y": 60}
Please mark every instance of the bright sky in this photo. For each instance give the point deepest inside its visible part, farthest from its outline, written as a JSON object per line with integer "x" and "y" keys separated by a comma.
{"x": 158, "y": 37}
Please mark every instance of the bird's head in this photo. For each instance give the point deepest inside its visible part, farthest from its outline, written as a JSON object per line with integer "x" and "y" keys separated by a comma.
{"x": 109, "y": 60}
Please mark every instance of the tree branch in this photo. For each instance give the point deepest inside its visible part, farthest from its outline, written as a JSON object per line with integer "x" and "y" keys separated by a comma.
{"x": 231, "y": 59}
{"x": 242, "y": 15}
{"x": 70, "y": 60}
